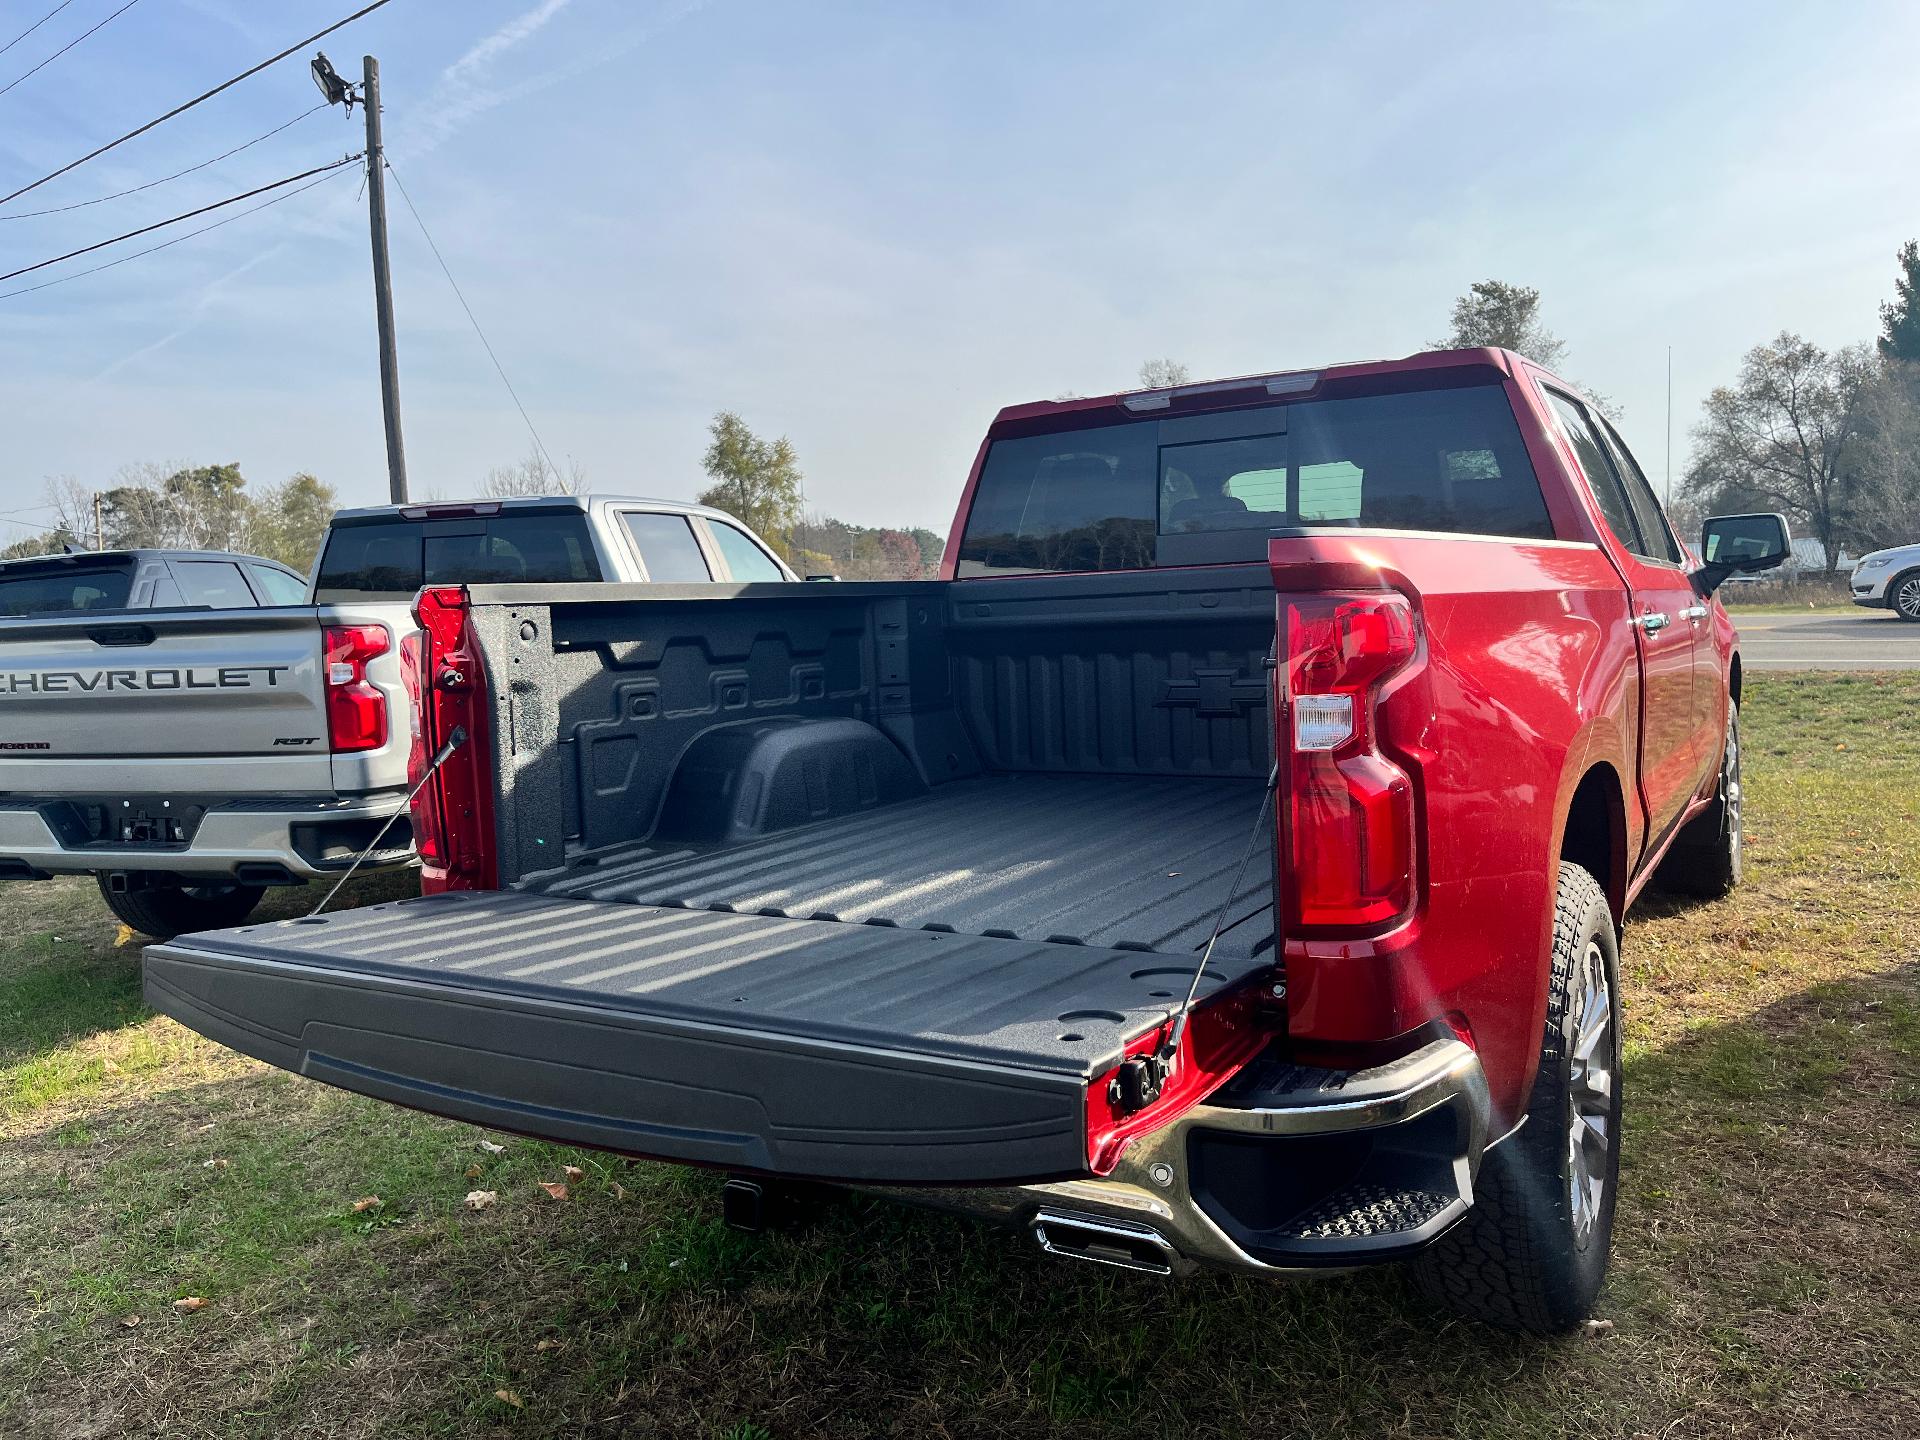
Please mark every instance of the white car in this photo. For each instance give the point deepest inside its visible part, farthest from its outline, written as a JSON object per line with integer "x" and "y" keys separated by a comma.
{"x": 1889, "y": 580}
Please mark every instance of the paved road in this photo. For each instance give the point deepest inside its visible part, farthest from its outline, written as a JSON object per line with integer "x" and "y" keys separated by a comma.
{"x": 1871, "y": 640}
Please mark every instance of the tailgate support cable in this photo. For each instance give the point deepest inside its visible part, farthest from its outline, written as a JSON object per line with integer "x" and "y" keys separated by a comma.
{"x": 1171, "y": 1050}
{"x": 454, "y": 742}
{"x": 1138, "y": 1081}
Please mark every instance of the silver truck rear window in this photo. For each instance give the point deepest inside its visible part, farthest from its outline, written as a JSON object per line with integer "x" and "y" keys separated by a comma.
{"x": 398, "y": 556}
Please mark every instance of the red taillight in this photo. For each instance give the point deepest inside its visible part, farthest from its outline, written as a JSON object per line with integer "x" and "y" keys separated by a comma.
{"x": 356, "y": 710}
{"x": 1347, "y": 818}
{"x": 453, "y": 811}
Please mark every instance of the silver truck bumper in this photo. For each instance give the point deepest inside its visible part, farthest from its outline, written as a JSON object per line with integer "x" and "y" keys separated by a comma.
{"x": 1158, "y": 1213}
{"x": 306, "y": 839}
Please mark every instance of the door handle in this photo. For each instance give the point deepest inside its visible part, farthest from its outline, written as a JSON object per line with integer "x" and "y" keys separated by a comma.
{"x": 1654, "y": 621}
{"x": 1694, "y": 612}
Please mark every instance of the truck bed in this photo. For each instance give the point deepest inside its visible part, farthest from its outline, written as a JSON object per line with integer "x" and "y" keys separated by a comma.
{"x": 1130, "y": 863}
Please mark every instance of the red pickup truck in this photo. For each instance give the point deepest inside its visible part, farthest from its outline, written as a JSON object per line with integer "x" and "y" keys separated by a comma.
{"x": 1223, "y": 863}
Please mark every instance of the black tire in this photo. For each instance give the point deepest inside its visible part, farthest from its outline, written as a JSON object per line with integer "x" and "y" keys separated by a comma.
{"x": 180, "y": 908}
{"x": 1706, "y": 857}
{"x": 1527, "y": 1256}
{"x": 1903, "y": 595}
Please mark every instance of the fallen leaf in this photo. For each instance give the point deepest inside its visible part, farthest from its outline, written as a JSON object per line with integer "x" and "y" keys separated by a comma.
{"x": 573, "y": 1172}
{"x": 619, "y": 1190}
{"x": 125, "y": 935}
{"x": 473, "y": 1171}
{"x": 366, "y": 1203}
{"x": 554, "y": 1188}
{"x": 189, "y": 1303}
{"x": 507, "y": 1397}
{"x": 215, "y": 1164}
{"x": 480, "y": 1199}
{"x": 491, "y": 1148}
{"x": 551, "y": 1345}
{"x": 130, "y": 1321}
{"x": 1593, "y": 1329}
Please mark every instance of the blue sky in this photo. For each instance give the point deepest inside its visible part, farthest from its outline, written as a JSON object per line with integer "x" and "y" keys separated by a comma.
{"x": 868, "y": 226}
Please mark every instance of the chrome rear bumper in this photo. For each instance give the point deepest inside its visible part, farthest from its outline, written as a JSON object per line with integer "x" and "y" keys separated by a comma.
{"x": 1161, "y": 1212}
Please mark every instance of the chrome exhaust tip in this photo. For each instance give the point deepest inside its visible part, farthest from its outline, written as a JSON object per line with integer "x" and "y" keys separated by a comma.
{"x": 1105, "y": 1242}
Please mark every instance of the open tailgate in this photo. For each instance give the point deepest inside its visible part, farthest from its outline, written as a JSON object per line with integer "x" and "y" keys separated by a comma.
{"x": 795, "y": 1046}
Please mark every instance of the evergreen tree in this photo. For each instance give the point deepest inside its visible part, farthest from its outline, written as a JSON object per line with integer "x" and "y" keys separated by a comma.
{"x": 1900, "y": 317}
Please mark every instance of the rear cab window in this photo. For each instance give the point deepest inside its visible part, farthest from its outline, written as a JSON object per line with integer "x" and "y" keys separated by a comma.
{"x": 393, "y": 556}
{"x": 1169, "y": 490}
{"x": 64, "y": 588}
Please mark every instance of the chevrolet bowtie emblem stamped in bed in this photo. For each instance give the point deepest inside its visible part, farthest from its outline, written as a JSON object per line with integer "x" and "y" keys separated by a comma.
{"x": 1217, "y": 692}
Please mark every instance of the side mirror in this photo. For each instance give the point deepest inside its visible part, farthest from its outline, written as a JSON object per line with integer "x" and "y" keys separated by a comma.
{"x": 1740, "y": 545}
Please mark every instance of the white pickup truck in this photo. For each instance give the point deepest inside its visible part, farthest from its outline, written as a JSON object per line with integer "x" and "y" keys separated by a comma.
{"x": 191, "y": 756}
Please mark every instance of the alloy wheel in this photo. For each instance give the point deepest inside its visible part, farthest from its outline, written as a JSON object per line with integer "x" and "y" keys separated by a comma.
{"x": 1907, "y": 598}
{"x": 1590, "y": 1114}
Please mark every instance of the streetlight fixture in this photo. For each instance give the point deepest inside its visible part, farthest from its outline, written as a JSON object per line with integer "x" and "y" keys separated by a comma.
{"x": 336, "y": 90}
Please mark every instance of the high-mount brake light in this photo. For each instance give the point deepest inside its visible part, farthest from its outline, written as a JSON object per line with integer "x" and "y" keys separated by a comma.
{"x": 449, "y": 512}
{"x": 356, "y": 708}
{"x": 1347, "y": 808}
{"x": 1293, "y": 382}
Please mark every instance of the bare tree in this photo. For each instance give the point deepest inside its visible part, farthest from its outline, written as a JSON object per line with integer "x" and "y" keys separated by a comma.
{"x": 532, "y": 475}
{"x": 1784, "y": 436}
{"x": 1163, "y": 374}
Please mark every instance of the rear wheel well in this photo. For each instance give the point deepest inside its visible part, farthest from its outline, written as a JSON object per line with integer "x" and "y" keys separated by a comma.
{"x": 1595, "y": 836}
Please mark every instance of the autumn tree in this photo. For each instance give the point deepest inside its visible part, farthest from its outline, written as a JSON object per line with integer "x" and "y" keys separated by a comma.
{"x": 289, "y": 520}
{"x": 756, "y": 480}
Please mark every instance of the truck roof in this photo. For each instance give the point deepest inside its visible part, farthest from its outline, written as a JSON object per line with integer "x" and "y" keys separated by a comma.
{"x": 1275, "y": 384}
{"x": 423, "y": 509}
{"x": 90, "y": 557}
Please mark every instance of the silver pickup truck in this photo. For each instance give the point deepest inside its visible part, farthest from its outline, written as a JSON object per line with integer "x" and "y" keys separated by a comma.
{"x": 190, "y": 756}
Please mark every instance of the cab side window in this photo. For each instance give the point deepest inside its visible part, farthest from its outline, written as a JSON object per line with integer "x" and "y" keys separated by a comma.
{"x": 1591, "y": 451}
{"x": 217, "y": 584}
{"x": 1661, "y": 544}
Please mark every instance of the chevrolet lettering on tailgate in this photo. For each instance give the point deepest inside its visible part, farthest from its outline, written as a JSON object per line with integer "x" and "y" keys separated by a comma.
{"x": 66, "y": 682}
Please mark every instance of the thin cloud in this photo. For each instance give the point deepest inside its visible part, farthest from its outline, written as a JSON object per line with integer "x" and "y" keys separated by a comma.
{"x": 459, "y": 97}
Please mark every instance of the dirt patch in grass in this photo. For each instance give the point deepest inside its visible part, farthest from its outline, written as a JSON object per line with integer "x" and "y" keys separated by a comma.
{"x": 1764, "y": 1282}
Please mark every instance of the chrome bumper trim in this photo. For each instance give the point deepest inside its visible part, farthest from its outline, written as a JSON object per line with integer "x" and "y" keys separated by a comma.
{"x": 1150, "y": 1186}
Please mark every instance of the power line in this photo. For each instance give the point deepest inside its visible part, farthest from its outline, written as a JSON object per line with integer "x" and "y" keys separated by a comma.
{"x": 188, "y": 105}
{"x": 36, "y": 525}
{"x": 68, "y": 46}
{"x": 168, "y": 244}
{"x": 176, "y": 219}
{"x": 501, "y": 370}
{"x": 121, "y": 194}
{"x": 34, "y": 26}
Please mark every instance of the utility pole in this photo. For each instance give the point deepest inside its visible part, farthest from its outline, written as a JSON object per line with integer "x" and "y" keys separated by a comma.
{"x": 338, "y": 91}
{"x": 99, "y": 523}
{"x": 383, "y": 282}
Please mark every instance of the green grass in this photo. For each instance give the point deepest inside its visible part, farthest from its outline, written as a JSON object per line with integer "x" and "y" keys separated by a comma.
{"x": 1765, "y": 1277}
